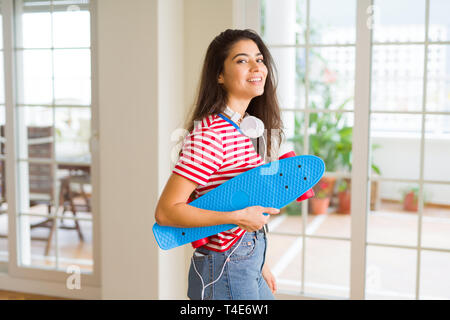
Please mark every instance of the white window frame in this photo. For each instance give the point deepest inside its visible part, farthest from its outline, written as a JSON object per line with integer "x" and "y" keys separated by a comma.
{"x": 361, "y": 172}
{"x": 13, "y": 268}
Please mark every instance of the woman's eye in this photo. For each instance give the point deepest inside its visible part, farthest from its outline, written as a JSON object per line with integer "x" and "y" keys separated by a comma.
{"x": 259, "y": 60}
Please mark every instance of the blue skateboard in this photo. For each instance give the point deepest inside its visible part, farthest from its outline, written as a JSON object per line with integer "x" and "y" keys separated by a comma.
{"x": 275, "y": 184}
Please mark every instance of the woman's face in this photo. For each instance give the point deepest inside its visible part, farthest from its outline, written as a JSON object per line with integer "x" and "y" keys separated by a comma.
{"x": 244, "y": 73}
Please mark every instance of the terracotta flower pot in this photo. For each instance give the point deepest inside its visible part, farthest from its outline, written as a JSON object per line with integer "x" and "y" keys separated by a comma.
{"x": 319, "y": 206}
{"x": 410, "y": 202}
{"x": 345, "y": 200}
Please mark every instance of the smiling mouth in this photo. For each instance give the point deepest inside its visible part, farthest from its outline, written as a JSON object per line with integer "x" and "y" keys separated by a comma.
{"x": 255, "y": 80}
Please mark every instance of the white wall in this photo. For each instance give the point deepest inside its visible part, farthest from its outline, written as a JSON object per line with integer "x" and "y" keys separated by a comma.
{"x": 203, "y": 20}
{"x": 172, "y": 271}
{"x": 128, "y": 135}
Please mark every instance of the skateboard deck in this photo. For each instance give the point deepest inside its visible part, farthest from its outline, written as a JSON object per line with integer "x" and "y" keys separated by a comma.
{"x": 274, "y": 184}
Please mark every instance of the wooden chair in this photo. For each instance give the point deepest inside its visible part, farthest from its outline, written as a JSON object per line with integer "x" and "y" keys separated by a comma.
{"x": 68, "y": 196}
{"x": 41, "y": 175}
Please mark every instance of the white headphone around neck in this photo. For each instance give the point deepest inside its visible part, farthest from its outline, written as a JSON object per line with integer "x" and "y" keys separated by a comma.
{"x": 251, "y": 126}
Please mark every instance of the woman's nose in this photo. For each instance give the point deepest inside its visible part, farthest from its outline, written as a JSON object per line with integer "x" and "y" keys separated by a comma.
{"x": 254, "y": 66}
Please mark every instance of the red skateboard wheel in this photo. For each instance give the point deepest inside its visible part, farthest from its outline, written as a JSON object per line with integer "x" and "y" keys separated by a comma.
{"x": 287, "y": 155}
{"x": 308, "y": 194}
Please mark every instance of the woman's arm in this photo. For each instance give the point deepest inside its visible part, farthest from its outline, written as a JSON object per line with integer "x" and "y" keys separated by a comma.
{"x": 270, "y": 279}
{"x": 172, "y": 209}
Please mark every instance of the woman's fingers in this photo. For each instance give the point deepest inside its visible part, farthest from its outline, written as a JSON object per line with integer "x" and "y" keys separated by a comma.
{"x": 271, "y": 210}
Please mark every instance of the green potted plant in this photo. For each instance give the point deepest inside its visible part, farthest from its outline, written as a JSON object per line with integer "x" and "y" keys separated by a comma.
{"x": 344, "y": 185}
{"x": 321, "y": 201}
{"x": 344, "y": 196}
{"x": 411, "y": 198}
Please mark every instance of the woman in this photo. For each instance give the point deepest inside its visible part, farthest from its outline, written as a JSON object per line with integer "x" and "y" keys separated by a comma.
{"x": 238, "y": 77}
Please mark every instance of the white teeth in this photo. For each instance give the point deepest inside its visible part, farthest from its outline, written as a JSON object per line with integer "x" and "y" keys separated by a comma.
{"x": 255, "y": 79}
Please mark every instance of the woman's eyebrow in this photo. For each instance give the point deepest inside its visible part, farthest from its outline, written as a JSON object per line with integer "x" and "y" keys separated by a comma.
{"x": 244, "y": 54}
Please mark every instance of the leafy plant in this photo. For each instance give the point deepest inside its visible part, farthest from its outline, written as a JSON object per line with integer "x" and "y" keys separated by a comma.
{"x": 415, "y": 191}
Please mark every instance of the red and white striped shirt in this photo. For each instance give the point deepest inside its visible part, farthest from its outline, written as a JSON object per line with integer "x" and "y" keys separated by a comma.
{"x": 214, "y": 152}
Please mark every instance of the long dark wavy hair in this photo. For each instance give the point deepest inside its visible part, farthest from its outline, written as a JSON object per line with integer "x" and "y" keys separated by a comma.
{"x": 212, "y": 96}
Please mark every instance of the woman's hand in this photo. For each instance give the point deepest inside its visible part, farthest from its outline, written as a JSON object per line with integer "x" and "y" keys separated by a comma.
{"x": 252, "y": 218}
{"x": 270, "y": 279}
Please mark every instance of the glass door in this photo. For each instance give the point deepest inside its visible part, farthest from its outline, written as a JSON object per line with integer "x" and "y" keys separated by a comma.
{"x": 52, "y": 183}
{"x": 408, "y": 234}
{"x": 365, "y": 86}
{"x": 3, "y": 204}
{"x": 314, "y": 52}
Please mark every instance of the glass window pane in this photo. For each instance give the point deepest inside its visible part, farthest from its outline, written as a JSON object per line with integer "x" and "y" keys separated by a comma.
{"x": 330, "y": 138}
{"x": 436, "y": 216}
{"x": 294, "y": 129}
{"x": 73, "y": 129}
{"x": 390, "y": 273}
{"x": 290, "y": 64}
{"x": 71, "y": 28}
{"x": 331, "y": 78}
{"x": 37, "y": 242}
{"x": 397, "y": 77}
{"x": 332, "y": 223}
{"x": 395, "y": 145}
{"x": 399, "y": 21}
{"x": 3, "y": 214}
{"x": 439, "y": 29}
{"x": 283, "y": 22}
{"x": 2, "y": 79}
{"x": 36, "y": 188}
{"x": 327, "y": 265}
{"x": 2, "y": 130}
{"x": 75, "y": 243}
{"x": 438, "y": 79}
{"x": 3, "y": 232}
{"x": 35, "y": 140}
{"x": 35, "y": 131}
{"x": 327, "y": 27}
{"x": 72, "y": 77}
{"x": 284, "y": 258}
{"x": 34, "y": 77}
{"x": 289, "y": 220}
{"x": 36, "y": 30}
{"x": 1, "y": 30}
{"x": 434, "y": 275}
{"x": 437, "y": 147}
{"x": 395, "y": 219}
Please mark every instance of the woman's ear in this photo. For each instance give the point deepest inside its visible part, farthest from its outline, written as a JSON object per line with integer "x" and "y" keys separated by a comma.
{"x": 220, "y": 79}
